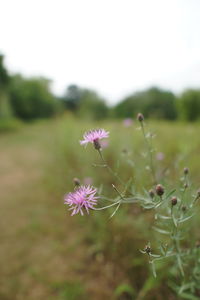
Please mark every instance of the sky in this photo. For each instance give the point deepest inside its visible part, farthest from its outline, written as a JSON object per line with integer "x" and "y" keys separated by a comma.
{"x": 113, "y": 46}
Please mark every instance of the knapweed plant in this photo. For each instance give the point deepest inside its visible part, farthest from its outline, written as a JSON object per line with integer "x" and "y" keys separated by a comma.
{"x": 173, "y": 207}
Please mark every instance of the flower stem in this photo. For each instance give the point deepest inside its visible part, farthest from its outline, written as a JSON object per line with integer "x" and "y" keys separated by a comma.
{"x": 109, "y": 168}
{"x": 149, "y": 147}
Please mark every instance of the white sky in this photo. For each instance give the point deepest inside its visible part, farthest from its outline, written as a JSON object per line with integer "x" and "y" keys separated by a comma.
{"x": 113, "y": 46}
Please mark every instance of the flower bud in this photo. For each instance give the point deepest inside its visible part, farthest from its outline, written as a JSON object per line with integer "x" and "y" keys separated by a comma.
{"x": 151, "y": 193}
{"x": 174, "y": 200}
{"x": 97, "y": 145}
{"x": 140, "y": 117}
{"x": 76, "y": 181}
{"x": 185, "y": 171}
{"x": 184, "y": 208}
{"x": 185, "y": 185}
{"x": 197, "y": 244}
{"x": 147, "y": 249}
{"x": 159, "y": 190}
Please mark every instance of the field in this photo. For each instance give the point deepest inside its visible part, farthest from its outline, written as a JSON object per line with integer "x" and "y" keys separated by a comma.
{"x": 47, "y": 254}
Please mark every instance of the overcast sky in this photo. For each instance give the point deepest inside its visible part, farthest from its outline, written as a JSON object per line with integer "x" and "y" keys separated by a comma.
{"x": 112, "y": 46}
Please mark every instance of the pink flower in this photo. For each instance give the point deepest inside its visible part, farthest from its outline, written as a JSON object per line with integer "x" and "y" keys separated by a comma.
{"x": 82, "y": 198}
{"x": 160, "y": 156}
{"x": 104, "y": 144}
{"x": 127, "y": 122}
{"x": 93, "y": 136}
{"x": 87, "y": 180}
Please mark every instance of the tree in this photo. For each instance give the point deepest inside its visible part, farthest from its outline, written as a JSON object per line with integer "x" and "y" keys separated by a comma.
{"x": 32, "y": 98}
{"x": 154, "y": 102}
{"x": 189, "y": 105}
{"x": 92, "y": 106}
{"x": 5, "y": 108}
{"x": 85, "y": 103}
{"x": 72, "y": 97}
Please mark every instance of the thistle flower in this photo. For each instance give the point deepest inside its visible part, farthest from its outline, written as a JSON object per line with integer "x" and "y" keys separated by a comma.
{"x": 174, "y": 200}
{"x": 160, "y": 156}
{"x": 140, "y": 117}
{"x": 93, "y": 136}
{"x": 159, "y": 190}
{"x": 127, "y": 122}
{"x": 76, "y": 181}
{"x": 87, "y": 180}
{"x": 82, "y": 198}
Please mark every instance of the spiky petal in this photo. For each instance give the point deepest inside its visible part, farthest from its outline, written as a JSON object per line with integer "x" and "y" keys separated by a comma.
{"x": 94, "y": 135}
{"x": 83, "y": 198}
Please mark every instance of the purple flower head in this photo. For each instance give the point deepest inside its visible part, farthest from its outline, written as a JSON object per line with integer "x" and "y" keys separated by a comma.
{"x": 93, "y": 136}
{"x": 87, "y": 180}
{"x": 127, "y": 122}
{"x": 160, "y": 156}
{"x": 104, "y": 144}
{"x": 82, "y": 198}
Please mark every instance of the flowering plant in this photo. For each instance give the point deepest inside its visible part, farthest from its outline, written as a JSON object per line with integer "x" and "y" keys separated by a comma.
{"x": 173, "y": 210}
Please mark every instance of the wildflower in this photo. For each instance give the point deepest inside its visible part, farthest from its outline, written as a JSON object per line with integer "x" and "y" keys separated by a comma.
{"x": 104, "y": 144}
{"x": 174, "y": 200}
{"x": 151, "y": 193}
{"x": 159, "y": 190}
{"x": 82, "y": 198}
{"x": 76, "y": 182}
{"x": 160, "y": 156}
{"x": 87, "y": 180}
{"x": 140, "y": 117}
{"x": 147, "y": 249}
{"x": 127, "y": 122}
{"x": 93, "y": 136}
{"x": 184, "y": 208}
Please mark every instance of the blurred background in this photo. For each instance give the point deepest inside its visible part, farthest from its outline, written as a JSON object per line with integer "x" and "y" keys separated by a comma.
{"x": 66, "y": 67}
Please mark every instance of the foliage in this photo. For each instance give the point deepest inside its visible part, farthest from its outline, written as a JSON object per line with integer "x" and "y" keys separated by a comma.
{"x": 5, "y": 108}
{"x": 31, "y": 98}
{"x": 154, "y": 102}
{"x": 85, "y": 102}
{"x": 55, "y": 253}
{"x": 173, "y": 210}
{"x": 4, "y": 76}
{"x": 189, "y": 105}
{"x": 10, "y": 124}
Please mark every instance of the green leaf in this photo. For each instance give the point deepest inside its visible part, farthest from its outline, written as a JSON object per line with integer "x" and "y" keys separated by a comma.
{"x": 162, "y": 231}
{"x": 174, "y": 220}
{"x": 189, "y": 296}
{"x": 170, "y": 193}
{"x": 148, "y": 206}
{"x": 153, "y": 268}
{"x": 163, "y": 217}
{"x": 184, "y": 287}
{"x": 185, "y": 219}
{"x": 125, "y": 288}
{"x": 180, "y": 264}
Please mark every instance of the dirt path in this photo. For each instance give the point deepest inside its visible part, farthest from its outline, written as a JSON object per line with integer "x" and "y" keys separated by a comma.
{"x": 39, "y": 256}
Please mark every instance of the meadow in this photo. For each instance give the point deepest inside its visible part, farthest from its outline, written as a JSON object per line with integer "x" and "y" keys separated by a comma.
{"x": 47, "y": 254}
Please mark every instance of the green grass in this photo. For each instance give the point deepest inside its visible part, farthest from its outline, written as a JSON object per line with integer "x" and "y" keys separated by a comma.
{"x": 45, "y": 253}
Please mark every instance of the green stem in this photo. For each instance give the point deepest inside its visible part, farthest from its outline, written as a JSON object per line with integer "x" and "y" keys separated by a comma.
{"x": 176, "y": 243}
{"x": 109, "y": 169}
{"x": 150, "y": 154}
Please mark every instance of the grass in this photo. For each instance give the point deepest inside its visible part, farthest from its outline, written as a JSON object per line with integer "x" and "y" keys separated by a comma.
{"x": 45, "y": 253}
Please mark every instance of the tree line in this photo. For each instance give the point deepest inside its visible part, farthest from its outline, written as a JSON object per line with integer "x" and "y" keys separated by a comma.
{"x": 32, "y": 98}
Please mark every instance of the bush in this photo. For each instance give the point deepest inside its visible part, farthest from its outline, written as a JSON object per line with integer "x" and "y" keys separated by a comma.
{"x": 189, "y": 105}
{"x": 154, "y": 102}
{"x": 9, "y": 124}
{"x": 31, "y": 98}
